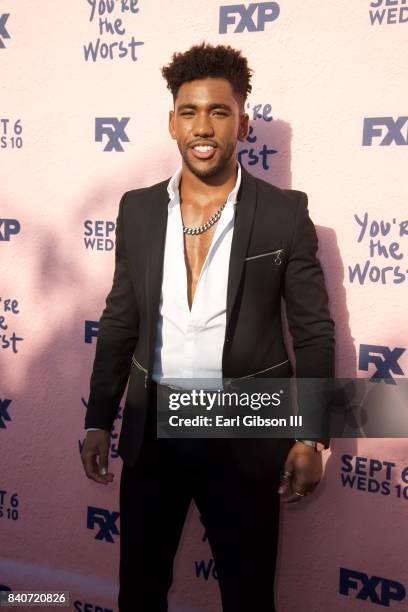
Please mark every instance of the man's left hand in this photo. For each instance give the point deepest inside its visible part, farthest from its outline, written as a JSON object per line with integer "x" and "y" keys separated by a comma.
{"x": 302, "y": 473}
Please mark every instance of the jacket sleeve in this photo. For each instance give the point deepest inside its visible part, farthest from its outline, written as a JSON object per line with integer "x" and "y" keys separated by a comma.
{"x": 307, "y": 309}
{"x": 116, "y": 341}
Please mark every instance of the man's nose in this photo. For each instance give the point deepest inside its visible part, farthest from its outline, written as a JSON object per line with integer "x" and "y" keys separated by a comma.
{"x": 203, "y": 126}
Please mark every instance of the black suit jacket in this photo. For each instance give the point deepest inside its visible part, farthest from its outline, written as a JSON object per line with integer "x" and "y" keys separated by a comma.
{"x": 269, "y": 222}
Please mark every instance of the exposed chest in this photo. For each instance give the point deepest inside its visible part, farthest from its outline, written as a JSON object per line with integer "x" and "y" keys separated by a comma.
{"x": 195, "y": 252}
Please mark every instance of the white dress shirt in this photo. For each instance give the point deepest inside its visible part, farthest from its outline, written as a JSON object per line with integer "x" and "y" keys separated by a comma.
{"x": 189, "y": 343}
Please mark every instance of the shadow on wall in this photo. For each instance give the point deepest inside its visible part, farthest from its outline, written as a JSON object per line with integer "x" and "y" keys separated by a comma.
{"x": 266, "y": 152}
{"x": 302, "y": 525}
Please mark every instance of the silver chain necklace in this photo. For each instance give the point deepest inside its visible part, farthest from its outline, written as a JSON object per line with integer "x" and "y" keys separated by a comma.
{"x": 192, "y": 231}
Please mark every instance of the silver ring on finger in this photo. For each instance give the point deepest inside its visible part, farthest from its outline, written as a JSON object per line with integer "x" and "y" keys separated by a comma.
{"x": 300, "y": 494}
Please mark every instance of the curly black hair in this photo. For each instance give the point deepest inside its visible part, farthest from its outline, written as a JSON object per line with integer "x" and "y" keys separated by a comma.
{"x": 205, "y": 60}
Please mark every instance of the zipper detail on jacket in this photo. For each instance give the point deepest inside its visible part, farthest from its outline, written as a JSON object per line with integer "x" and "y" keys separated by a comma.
{"x": 142, "y": 369}
{"x": 278, "y": 260}
{"x": 261, "y": 371}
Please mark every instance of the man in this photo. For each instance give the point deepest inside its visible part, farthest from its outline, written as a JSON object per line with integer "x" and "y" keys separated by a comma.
{"x": 202, "y": 261}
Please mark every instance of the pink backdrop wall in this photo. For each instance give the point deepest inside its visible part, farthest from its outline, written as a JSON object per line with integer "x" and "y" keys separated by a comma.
{"x": 323, "y": 67}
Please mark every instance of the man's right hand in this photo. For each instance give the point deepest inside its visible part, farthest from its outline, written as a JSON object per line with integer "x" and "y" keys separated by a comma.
{"x": 94, "y": 455}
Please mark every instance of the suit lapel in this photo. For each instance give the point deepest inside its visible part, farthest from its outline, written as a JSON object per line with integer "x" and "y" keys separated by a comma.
{"x": 245, "y": 210}
{"x": 156, "y": 237}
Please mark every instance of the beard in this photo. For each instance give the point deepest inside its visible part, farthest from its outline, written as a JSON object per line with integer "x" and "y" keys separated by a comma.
{"x": 211, "y": 170}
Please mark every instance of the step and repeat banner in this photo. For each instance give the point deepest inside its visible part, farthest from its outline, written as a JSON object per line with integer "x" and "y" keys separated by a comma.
{"x": 83, "y": 118}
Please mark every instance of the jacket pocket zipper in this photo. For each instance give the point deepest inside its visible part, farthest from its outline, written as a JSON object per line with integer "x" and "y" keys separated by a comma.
{"x": 262, "y": 371}
{"x": 277, "y": 260}
{"x": 142, "y": 369}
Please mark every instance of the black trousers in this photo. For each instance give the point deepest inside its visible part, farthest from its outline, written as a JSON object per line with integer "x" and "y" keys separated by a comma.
{"x": 240, "y": 514}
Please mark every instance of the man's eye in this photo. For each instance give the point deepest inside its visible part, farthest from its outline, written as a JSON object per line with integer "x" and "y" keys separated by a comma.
{"x": 221, "y": 113}
{"x": 186, "y": 114}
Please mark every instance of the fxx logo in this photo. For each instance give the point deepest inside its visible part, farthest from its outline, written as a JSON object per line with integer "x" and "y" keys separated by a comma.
{"x": 242, "y": 17}
{"x": 375, "y": 589}
{"x": 105, "y": 520}
{"x": 114, "y": 129}
{"x": 385, "y": 130}
{"x": 384, "y": 359}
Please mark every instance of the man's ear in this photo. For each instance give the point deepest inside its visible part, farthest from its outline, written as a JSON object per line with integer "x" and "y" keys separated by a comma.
{"x": 171, "y": 125}
{"x": 243, "y": 127}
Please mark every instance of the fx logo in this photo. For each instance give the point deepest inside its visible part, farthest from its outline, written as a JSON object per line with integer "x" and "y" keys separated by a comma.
{"x": 3, "y": 31}
{"x": 114, "y": 129}
{"x": 105, "y": 520}
{"x": 8, "y": 227}
{"x": 4, "y": 415}
{"x": 384, "y": 359}
{"x": 267, "y": 11}
{"x": 387, "y": 128}
{"x": 390, "y": 590}
{"x": 91, "y": 331}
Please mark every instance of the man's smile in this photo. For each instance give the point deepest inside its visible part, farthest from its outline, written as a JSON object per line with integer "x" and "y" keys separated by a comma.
{"x": 203, "y": 150}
